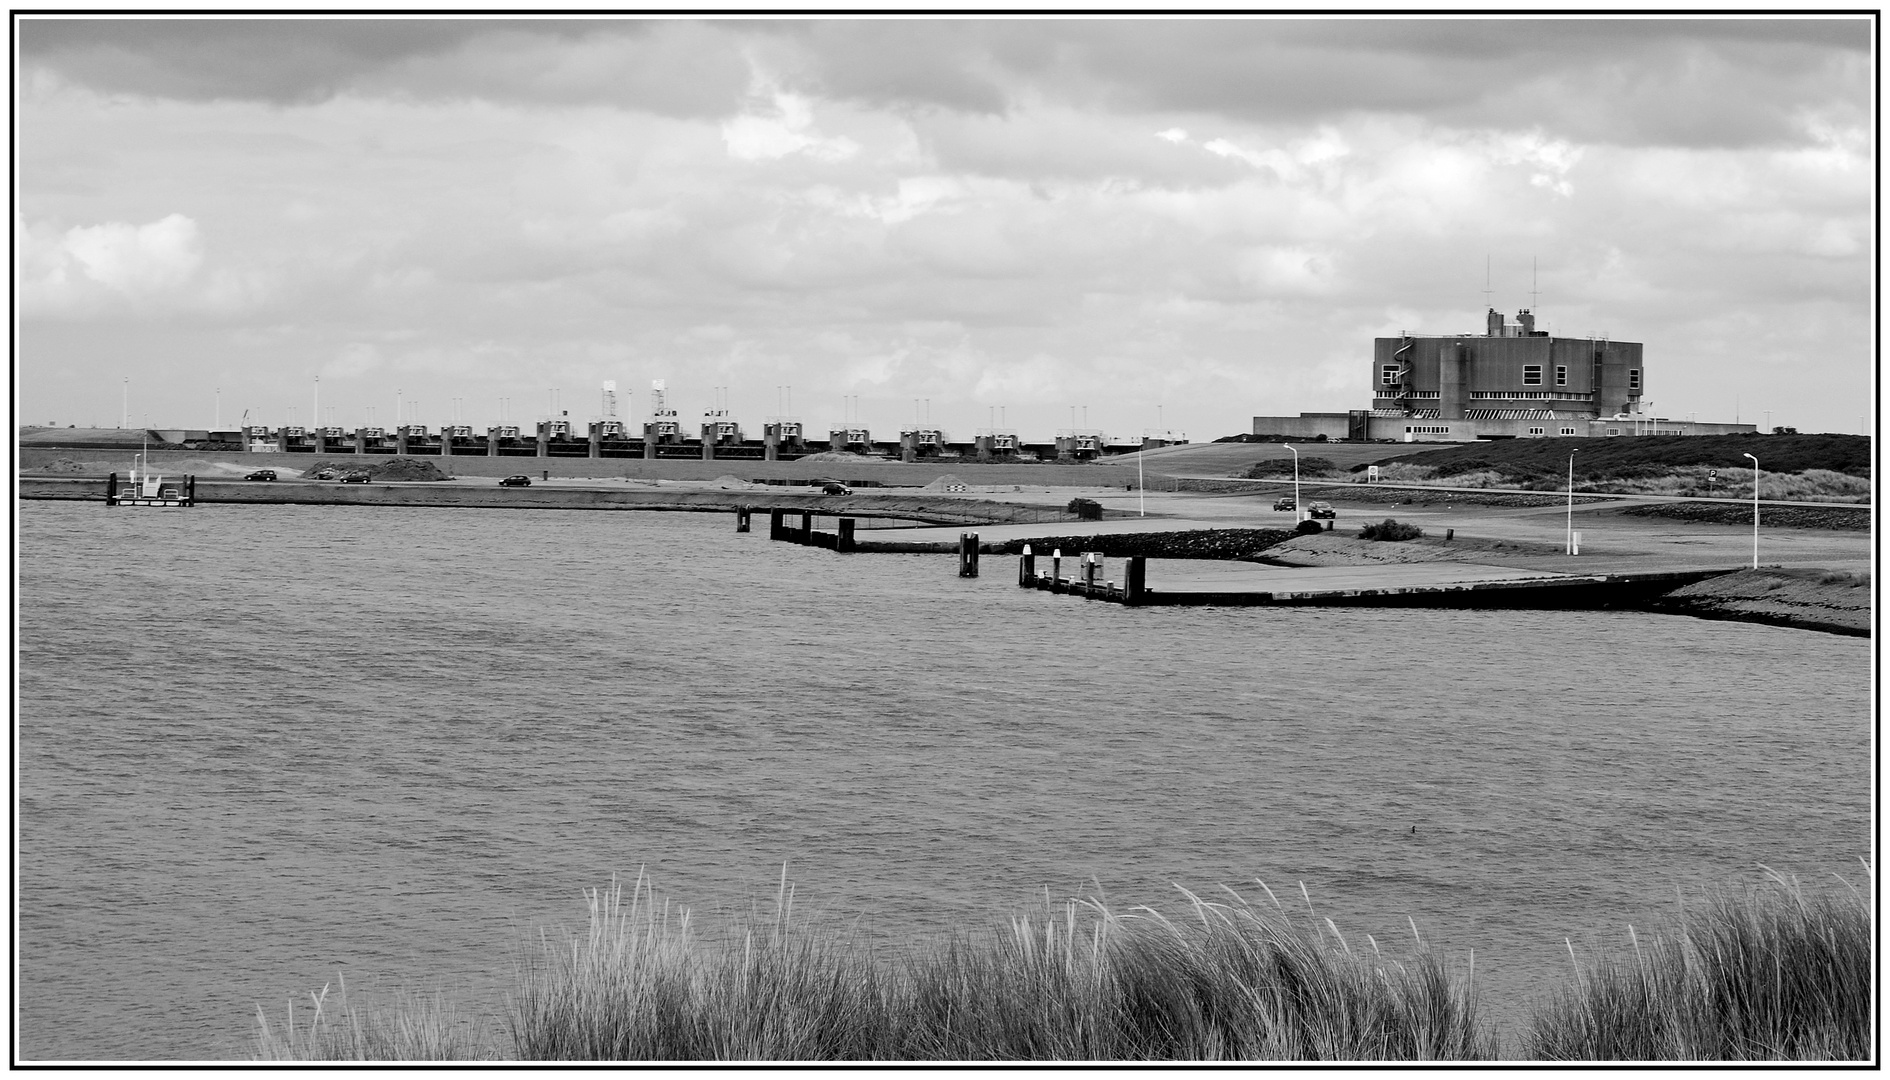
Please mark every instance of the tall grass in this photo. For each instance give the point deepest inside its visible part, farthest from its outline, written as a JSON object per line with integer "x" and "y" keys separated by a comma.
{"x": 1773, "y": 975}
{"x": 416, "y": 1028}
{"x": 1812, "y": 485}
{"x": 1075, "y": 983}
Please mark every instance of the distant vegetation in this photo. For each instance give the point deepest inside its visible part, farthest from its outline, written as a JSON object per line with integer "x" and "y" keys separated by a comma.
{"x": 1275, "y": 467}
{"x": 1773, "y": 975}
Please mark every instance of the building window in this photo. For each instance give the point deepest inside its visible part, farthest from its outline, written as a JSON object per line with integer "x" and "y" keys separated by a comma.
{"x": 1532, "y": 375}
{"x": 1426, "y": 430}
{"x": 1390, "y": 375}
{"x": 1633, "y": 378}
{"x": 1535, "y": 431}
{"x": 1614, "y": 431}
{"x": 1561, "y": 374}
{"x": 1568, "y": 431}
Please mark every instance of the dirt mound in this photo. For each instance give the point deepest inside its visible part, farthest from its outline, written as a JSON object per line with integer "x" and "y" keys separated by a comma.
{"x": 948, "y": 482}
{"x": 725, "y": 482}
{"x": 401, "y": 469}
{"x": 836, "y": 455}
{"x": 62, "y": 465}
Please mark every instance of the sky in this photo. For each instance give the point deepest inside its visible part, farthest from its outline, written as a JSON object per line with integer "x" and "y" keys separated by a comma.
{"x": 1127, "y": 224}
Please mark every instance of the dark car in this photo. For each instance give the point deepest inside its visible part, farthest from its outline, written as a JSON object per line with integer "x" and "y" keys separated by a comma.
{"x": 516, "y": 481}
{"x": 835, "y": 487}
{"x": 1285, "y": 503}
{"x": 262, "y": 474}
{"x": 1321, "y": 510}
{"x": 355, "y": 478}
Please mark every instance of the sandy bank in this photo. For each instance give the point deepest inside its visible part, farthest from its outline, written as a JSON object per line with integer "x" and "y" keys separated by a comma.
{"x": 1830, "y": 601}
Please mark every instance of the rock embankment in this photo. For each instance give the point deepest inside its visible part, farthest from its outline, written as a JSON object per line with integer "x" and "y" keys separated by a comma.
{"x": 1347, "y": 549}
{"x": 1196, "y": 544}
{"x": 1836, "y": 516}
{"x": 1832, "y": 601}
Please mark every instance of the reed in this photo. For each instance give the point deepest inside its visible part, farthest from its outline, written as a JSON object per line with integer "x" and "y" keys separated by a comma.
{"x": 1771, "y": 975}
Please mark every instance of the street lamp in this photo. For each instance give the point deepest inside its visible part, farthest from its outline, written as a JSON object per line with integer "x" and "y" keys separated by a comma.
{"x": 1570, "y": 538}
{"x": 1755, "y": 511}
{"x": 1299, "y": 512}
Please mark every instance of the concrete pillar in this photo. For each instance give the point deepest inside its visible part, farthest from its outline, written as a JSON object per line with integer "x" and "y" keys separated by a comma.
{"x": 597, "y": 443}
{"x": 649, "y": 443}
{"x": 360, "y": 441}
{"x": 492, "y": 443}
{"x": 708, "y": 445}
{"x": 282, "y": 442}
{"x": 770, "y": 442}
{"x": 321, "y": 441}
{"x": 807, "y": 524}
{"x": 400, "y": 442}
{"x": 446, "y": 442}
{"x": 1450, "y": 390}
{"x": 544, "y": 440}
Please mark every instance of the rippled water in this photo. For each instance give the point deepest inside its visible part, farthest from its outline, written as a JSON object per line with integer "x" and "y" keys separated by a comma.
{"x": 259, "y": 746}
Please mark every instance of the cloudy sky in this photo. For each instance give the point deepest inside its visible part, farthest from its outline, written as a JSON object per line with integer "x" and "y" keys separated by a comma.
{"x": 1181, "y": 223}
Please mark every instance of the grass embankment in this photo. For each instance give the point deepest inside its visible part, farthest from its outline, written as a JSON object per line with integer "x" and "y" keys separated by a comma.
{"x": 1776, "y": 975}
{"x": 1816, "y": 468}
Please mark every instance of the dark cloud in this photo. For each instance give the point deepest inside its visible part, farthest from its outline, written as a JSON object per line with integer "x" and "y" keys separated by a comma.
{"x": 1688, "y": 82}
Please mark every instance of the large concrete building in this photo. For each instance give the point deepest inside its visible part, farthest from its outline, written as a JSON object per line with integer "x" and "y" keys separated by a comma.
{"x": 1510, "y": 382}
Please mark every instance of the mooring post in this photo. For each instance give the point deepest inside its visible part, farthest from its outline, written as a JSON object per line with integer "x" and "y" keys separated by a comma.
{"x": 1026, "y": 568}
{"x": 111, "y": 490}
{"x": 190, "y": 489}
{"x": 844, "y": 542}
{"x": 1138, "y": 580}
{"x": 1056, "y": 568}
{"x": 741, "y": 519}
{"x": 967, "y": 554}
{"x": 807, "y": 527}
{"x": 974, "y": 554}
{"x": 777, "y": 524}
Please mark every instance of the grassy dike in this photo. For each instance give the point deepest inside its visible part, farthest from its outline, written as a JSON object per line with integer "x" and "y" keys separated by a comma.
{"x": 1767, "y": 974}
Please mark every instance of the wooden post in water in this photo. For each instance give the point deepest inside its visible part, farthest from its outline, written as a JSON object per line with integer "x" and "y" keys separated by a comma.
{"x": 1138, "y": 580}
{"x": 967, "y": 554}
{"x": 1056, "y": 568}
{"x": 844, "y": 542}
{"x": 111, "y": 490}
{"x": 741, "y": 519}
{"x": 777, "y": 524}
{"x": 1027, "y": 568}
{"x": 807, "y": 527}
{"x": 190, "y": 490}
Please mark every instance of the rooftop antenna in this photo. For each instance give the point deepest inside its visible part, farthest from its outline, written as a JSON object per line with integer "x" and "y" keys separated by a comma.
{"x": 1532, "y": 283}
{"x": 1486, "y": 282}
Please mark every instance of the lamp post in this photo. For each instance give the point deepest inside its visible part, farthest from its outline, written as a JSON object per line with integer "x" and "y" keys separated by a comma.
{"x": 1755, "y": 511}
{"x": 1299, "y": 512}
{"x": 1570, "y": 528}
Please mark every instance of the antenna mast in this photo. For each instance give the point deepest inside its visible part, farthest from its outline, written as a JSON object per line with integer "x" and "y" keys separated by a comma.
{"x": 1486, "y": 282}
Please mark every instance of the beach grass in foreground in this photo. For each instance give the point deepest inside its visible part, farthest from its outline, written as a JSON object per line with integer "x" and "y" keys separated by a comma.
{"x": 1774, "y": 974}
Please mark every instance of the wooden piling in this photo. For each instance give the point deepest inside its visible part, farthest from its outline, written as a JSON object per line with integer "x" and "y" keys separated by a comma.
{"x": 844, "y": 541}
{"x": 111, "y": 490}
{"x": 741, "y": 519}
{"x": 777, "y": 524}
{"x": 1027, "y": 568}
{"x": 1138, "y": 580}
{"x": 807, "y": 527}
{"x": 1056, "y": 568}
{"x": 967, "y": 554}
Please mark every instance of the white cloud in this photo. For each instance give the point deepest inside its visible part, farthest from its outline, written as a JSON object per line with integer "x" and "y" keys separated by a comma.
{"x": 789, "y": 130}
{"x": 88, "y": 263}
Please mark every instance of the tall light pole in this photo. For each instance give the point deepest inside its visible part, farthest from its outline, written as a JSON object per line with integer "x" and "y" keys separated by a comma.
{"x": 1299, "y": 512}
{"x": 1755, "y": 511}
{"x": 1571, "y": 501}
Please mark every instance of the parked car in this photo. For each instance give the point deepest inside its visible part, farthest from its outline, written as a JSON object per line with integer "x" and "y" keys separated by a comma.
{"x": 1321, "y": 510}
{"x": 355, "y": 478}
{"x": 520, "y": 480}
{"x": 1285, "y": 503}
{"x": 262, "y": 474}
{"x": 834, "y": 487}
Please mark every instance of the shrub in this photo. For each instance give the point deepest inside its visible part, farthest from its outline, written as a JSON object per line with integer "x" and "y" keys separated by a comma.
{"x": 1282, "y": 467}
{"x": 1086, "y": 509}
{"x": 1308, "y": 528}
{"x": 1390, "y": 529}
